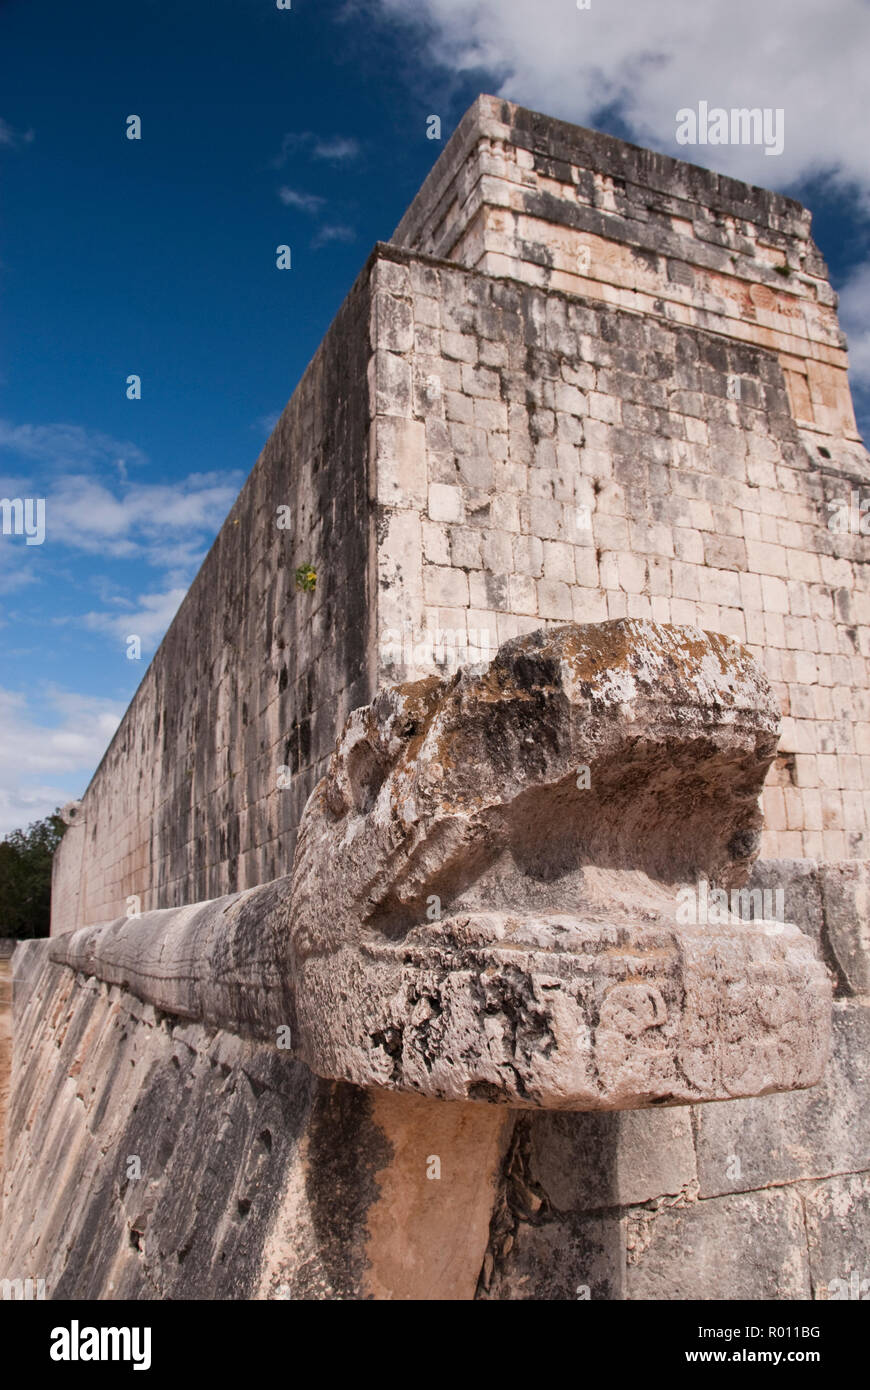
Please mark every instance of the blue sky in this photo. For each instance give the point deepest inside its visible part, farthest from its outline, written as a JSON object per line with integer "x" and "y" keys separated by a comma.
{"x": 157, "y": 257}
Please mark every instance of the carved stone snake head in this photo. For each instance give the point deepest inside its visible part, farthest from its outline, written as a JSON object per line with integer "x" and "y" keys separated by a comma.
{"x": 486, "y": 879}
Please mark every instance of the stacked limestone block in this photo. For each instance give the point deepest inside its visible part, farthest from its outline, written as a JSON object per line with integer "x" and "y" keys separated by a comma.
{"x": 595, "y": 382}
{"x": 663, "y": 430}
{"x": 767, "y": 1198}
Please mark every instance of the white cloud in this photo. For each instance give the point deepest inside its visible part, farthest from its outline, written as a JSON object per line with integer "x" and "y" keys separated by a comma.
{"x": 855, "y": 321}
{"x": 333, "y": 232}
{"x": 45, "y": 762}
{"x": 309, "y": 202}
{"x": 160, "y": 522}
{"x": 334, "y": 149}
{"x": 647, "y": 61}
{"x": 166, "y": 524}
{"x": 266, "y": 423}
{"x": 148, "y": 619}
{"x": 17, "y": 567}
{"x": 12, "y": 137}
{"x": 305, "y": 202}
{"x": 67, "y": 446}
{"x": 337, "y": 149}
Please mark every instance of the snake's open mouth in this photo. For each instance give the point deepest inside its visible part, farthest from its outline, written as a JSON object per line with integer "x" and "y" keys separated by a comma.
{"x": 564, "y": 1013}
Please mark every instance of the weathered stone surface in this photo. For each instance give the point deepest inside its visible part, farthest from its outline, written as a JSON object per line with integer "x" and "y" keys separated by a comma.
{"x": 536, "y": 1251}
{"x": 105, "y": 1088}
{"x": 540, "y": 806}
{"x": 240, "y": 707}
{"x": 592, "y": 1160}
{"x": 798, "y": 882}
{"x": 484, "y": 891}
{"x": 845, "y": 892}
{"x": 753, "y": 1143}
{"x": 838, "y": 1232}
{"x": 428, "y": 1227}
{"x": 5, "y": 1036}
{"x": 582, "y": 1258}
{"x": 551, "y": 803}
{"x": 500, "y": 199}
{"x": 831, "y": 903}
{"x": 574, "y": 1183}
{"x": 223, "y": 963}
{"x": 153, "y": 1158}
{"x": 748, "y": 1246}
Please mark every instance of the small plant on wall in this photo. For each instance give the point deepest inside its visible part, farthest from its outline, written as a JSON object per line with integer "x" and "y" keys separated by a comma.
{"x": 306, "y": 578}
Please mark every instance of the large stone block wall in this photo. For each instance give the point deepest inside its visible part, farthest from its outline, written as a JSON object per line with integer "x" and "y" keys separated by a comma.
{"x": 654, "y": 429}
{"x": 253, "y": 674}
{"x": 767, "y": 1198}
{"x": 6, "y": 949}
{"x": 255, "y": 1179}
{"x": 572, "y": 460}
{"x": 521, "y": 195}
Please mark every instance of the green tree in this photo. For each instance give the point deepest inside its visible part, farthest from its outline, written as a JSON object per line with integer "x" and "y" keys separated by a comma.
{"x": 25, "y": 877}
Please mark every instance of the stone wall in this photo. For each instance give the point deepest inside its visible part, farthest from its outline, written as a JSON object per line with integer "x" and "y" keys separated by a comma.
{"x": 255, "y": 1179}
{"x": 479, "y": 452}
{"x": 767, "y": 1198}
{"x": 253, "y": 675}
{"x": 585, "y": 462}
{"x": 688, "y": 388}
{"x": 6, "y": 948}
{"x": 520, "y": 195}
